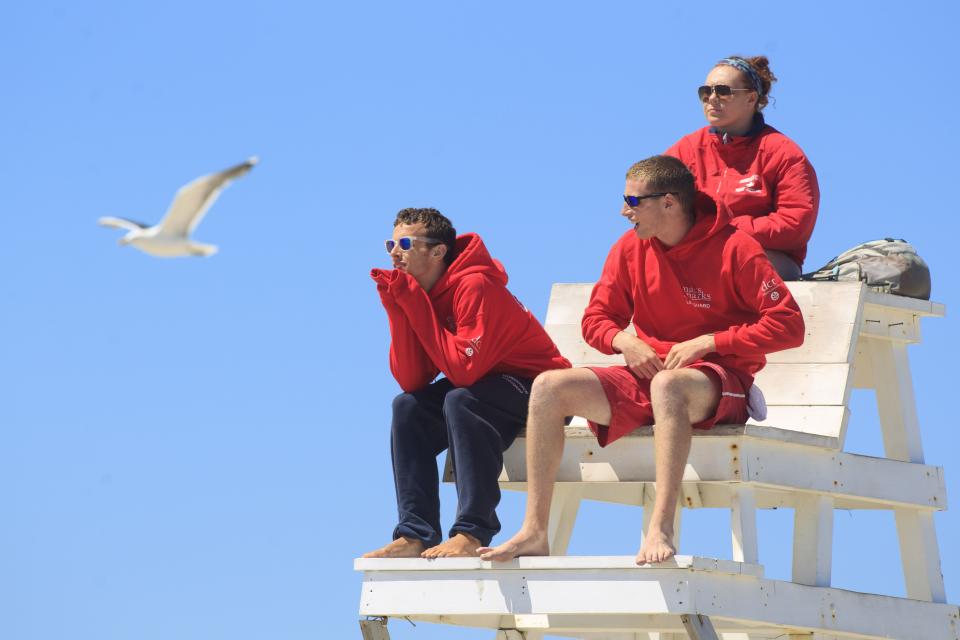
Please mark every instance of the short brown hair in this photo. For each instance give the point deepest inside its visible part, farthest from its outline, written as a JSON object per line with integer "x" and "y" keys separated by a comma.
{"x": 437, "y": 226}
{"x": 666, "y": 173}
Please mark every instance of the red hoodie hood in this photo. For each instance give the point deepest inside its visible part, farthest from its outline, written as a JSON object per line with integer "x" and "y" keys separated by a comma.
{"x": 472, "y": 257}
{"x": 709, "y": 221}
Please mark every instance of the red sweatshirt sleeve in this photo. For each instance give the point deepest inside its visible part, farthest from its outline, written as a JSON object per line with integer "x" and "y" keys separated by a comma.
{"x": 791, "y": 222}
{"x": 484, "y": 329}
{"x": 611, "y": 303}
{"x": 409, "y": 363}
{"x": 780, "y": 325}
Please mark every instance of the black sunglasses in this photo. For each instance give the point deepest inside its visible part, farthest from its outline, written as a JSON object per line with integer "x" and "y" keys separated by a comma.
{"x": 723, "y": 91}
{"x": 633, "y": 201}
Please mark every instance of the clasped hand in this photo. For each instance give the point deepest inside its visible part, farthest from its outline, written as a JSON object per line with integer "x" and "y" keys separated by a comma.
{"x": 643, "y": 360}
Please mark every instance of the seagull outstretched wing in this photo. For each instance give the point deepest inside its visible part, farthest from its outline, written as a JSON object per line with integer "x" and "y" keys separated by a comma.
{"x": 192, "y": 200}
{"x": 121, "y": 223}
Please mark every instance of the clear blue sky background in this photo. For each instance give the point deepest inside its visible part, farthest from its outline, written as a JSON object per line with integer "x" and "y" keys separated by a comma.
{"x": 198, "y": 448}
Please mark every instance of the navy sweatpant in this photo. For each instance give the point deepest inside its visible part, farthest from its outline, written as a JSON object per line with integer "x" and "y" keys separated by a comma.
{"x": 477, "y": 424}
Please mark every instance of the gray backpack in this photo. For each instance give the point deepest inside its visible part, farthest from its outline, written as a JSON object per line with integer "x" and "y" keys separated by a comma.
{"x": 888, "y": 265}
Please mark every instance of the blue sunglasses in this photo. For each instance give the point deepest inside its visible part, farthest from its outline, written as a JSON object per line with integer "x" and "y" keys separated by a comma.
{"x": 406, "y": 242}
{"x": 633, "y": 201}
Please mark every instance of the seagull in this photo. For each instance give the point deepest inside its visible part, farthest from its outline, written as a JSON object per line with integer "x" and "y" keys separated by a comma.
{"x": 171, "y": 238}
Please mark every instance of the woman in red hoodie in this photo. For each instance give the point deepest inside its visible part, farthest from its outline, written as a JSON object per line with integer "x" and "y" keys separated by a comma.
{"x": 759, "y": 175}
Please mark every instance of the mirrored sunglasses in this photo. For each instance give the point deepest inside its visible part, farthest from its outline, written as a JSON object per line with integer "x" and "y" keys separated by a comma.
{"x": 633, "y": 201}
{"x": 406, "y": 242}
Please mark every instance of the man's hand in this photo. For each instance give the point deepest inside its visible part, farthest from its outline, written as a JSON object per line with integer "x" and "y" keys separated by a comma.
{"x": 639, "y": 356}
{"x": 683, "y": 353}
{"x": 384, "y": 278}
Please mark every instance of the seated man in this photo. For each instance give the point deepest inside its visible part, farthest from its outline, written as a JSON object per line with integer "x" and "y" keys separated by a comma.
{"x": 706, "y": 304}
{"x": 450, "y": 311}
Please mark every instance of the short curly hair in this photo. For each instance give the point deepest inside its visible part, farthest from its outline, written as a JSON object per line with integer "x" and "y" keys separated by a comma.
{"x": 437, "y": 226}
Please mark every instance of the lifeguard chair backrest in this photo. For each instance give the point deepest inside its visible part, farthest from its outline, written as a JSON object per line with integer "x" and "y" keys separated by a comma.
{"x": 807, "y": 389}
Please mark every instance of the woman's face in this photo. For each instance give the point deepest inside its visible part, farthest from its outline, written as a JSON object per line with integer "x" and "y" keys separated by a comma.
{"x": 736, "y": 110}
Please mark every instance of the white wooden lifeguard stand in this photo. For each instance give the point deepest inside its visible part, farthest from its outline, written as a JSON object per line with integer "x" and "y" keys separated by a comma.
{"x": 855, "y": 337}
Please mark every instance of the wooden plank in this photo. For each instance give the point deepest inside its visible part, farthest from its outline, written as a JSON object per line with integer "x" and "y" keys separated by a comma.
{"x": 558, "y": 563}
{"x": 699, "y": 627}
{"x": 920, "y": 555}
{"x": 801, "y": 434}
{"x": 743, "y": 524}
{"x": 590, "y": 597}
{"x": 813, "y": 540}
{"x": 563, "y": 515}
{"x": 815, "y": 384}
{"x": 920, "y": 307}
{"x": 823, "y": 420}
{"x": 742, "y": 459}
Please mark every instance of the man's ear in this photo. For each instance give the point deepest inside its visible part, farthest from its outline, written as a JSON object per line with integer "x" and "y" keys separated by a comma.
{"x": 439, "y": 251}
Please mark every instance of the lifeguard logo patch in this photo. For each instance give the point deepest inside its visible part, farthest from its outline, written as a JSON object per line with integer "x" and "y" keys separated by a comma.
{"x": 771, "y": 288}
{"x": 751, "y": 183}
{"x": 697, "y": 297}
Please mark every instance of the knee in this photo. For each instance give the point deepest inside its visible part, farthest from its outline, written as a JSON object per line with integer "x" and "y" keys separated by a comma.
{"x": 547, "y": 384}
{"x": 548, "y": 389}
{"x": 405, "y": 408}
{"x": 668, "y": 388}
{"x": 457, "y": 400}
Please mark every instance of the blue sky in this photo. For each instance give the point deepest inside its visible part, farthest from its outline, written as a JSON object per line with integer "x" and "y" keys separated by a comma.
{"x": 198, "y": 448}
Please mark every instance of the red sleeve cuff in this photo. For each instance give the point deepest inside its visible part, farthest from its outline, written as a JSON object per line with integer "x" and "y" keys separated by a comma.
{"x": 607, "y": 341}
{"x": 723, "y": 342}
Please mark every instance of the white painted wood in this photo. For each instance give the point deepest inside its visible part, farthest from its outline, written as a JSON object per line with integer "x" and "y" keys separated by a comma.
{"x": 555, "y": 563}
{"x": 799, "y": 383}
{"x": 920, "y": 555}
{"x": 563, "y": 514}
{"x": 743, "y": 525}
{"x": 813, "y": 540}
{"x": 699, "y": 627}
{"x": 895, "y": 401}
{"x": 578, "y": 429}
{"x": 593, "y": 597}
{"x": 768, "y": 464}
{"x": 375, "y": 629}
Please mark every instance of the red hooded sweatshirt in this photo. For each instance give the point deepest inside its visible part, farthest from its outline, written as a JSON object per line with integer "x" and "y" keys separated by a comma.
{"x": 763, "y": 178}
{"x": 716, "y": 280}
{"x": 468, "y": 326}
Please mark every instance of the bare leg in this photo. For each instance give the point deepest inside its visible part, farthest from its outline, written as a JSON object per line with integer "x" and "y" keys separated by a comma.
{"x": 556, "y": 394}
{"x": 680, "y": 397}
{"x": 399, "y": 548}
{"x": 461, "y": 545}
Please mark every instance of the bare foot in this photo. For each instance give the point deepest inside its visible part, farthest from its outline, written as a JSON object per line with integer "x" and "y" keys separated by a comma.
{"x": 522, "y": 544}
{"x": 399, "y": 548}
{"x": 461, "y": 545}
{"x": 657, "y": 546}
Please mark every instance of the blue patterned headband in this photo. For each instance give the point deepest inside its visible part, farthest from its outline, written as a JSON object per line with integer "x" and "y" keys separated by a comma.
{"x": 742, "y": 65}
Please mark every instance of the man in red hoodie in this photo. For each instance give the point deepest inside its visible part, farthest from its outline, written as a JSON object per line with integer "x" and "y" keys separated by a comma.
{"x": 450, "y": 312}
{"x": 706, "y": 305}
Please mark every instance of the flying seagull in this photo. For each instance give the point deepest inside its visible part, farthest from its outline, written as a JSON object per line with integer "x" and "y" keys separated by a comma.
{"x": 171, "y": 238}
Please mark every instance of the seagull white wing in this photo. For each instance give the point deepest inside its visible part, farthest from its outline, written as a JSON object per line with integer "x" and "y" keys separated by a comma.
{"x": 121, "y": 223}
{"x": 192, "y": 200}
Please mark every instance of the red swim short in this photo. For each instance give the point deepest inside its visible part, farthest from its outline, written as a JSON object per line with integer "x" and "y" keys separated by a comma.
{"x": 629, "y": 398}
